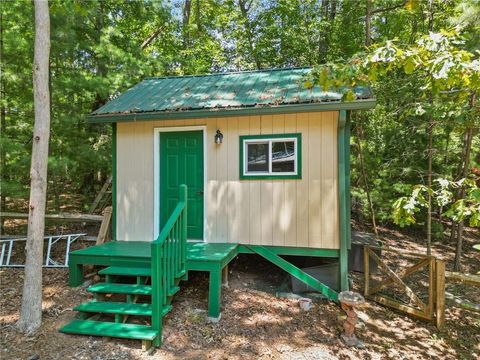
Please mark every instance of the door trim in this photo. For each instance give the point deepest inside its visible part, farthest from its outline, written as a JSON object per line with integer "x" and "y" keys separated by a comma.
{"x": 156, "y": 174}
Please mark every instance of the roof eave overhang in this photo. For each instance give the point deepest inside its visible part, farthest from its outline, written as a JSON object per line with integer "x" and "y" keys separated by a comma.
{"x": 224, "y": 112}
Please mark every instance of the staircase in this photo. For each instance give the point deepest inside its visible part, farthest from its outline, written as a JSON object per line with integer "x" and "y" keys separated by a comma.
{"x": 132, "y": 301}
{"x": 132, "y": 289}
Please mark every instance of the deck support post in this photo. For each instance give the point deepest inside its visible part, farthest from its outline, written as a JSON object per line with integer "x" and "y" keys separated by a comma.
{"x": 147, "y": 345}
{"x": 225, "y": 276}
{"x": 75, "y": 274}
{"x": 214, "y": 295}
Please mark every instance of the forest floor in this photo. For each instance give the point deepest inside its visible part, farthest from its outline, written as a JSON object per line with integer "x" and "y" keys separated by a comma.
{"x": 255, "y": 324}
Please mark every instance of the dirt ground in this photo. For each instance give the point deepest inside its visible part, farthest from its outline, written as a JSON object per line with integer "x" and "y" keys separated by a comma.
{"x": 255, "y": 324}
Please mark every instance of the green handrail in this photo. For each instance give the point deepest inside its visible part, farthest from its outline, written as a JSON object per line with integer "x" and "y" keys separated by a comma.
{"x": 169, "y": 258}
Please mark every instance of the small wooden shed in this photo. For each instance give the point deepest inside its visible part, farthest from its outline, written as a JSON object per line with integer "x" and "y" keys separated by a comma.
{"x": 265, "y": 162}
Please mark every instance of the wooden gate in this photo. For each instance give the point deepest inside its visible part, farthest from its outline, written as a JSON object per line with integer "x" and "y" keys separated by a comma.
{"x": 431, "y": 309}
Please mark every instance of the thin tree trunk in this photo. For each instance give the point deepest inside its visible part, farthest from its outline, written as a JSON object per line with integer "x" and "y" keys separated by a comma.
{"x": 365, "y": 178}
{"x": 430, "y": 15}
{"x": 244, "y": 8}
{"x": 152, "y": 37}
{"x": 329, "y": 11}
{"x": 457, "y": 264}
{"x": 31, "y": 310}
{"x": 3, "y": 127}
{"x": 430, "y": 150}
{"x": 453, "y": 232}
{"x": 198, "y": 19}
{"x": 429, "y": 182}
{"x": 187, "y": 7}
{"x": 467, "y": 150}
{"x": 368, "y": 23}
{"x": 323, "y": 38}
{"x": 99, "y": 62}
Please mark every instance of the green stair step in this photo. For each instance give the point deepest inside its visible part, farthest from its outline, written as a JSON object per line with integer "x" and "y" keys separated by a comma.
{"x": 99, "y": 328}
{"x": 115, "y": 308}
{"x": 126, "y": 271}
{"x": 113, "y": 288}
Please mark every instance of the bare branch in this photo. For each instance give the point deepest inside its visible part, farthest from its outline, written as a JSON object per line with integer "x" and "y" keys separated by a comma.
{"x": 402, "y": 4}
{"x": 152, "y": 37}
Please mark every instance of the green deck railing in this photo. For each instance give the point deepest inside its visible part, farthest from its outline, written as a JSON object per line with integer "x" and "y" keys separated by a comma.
{"x": 169, "y": 258}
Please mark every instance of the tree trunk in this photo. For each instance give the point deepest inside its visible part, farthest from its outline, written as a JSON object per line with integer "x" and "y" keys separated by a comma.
{"x": 430, "y": 15}
{"x": 429, "y": 182}
{"x": 453, "y": 232}
{"x": 3, "y": 127}
{"x": 31, "y": 310}
{"x": 329, "y": 11}
{"x": 368, "y": 23}
{"x": 187, "y": 7}
{"x": 198, "y": 19}
{"x": 457, "y": 264}
{"x": 244, "y": 8}
{"x": 99, "y": 62}
{"x": 466, "y": 152}
{"x": 323, "y": 38}
{"x": 152, "y": 37}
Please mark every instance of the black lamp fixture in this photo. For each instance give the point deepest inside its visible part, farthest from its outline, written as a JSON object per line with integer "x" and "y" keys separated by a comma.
{"x": 218, "y": 137}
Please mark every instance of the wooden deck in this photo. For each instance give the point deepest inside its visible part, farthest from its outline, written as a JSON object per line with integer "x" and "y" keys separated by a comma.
{"x": 196, "y": 251}
{"x": 211, "y": 257}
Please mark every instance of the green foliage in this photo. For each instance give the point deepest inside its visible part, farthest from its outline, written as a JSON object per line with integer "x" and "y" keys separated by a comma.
{"x": 466, "y": 208}
{"x": 405, "y": 207}
{"x": 437, "y": 230}
{"x": 100, "y": 48}
{"x": 436, "y": 77}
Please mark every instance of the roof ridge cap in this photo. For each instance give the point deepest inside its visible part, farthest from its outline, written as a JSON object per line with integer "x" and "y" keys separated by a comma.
{"x": 227, "y": 73}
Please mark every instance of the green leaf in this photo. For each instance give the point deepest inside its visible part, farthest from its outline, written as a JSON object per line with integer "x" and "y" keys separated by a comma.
{"x": 409, "y": 66}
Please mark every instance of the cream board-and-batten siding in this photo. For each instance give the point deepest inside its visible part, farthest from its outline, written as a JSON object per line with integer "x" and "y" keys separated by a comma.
{"x": 298, "y": 213}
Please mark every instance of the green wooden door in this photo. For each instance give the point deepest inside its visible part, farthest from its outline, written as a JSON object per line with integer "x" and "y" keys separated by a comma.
{"x": 181, "y": 162}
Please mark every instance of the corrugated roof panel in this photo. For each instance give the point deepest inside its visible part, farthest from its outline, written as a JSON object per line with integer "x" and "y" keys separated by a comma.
{"x": 290, "y": 87}
{"x": 188, "y": 95}
{"x": 222, "y": 91}
{"x": 177, "y": 100}
{"x": 254, "y": 93}
{"x": 138, "y": 101}
{"x": 246, "y": 84}
{"x": 289, "y": 81}
{"x": 199, "y": 94}
{"x": 160, "y": 94}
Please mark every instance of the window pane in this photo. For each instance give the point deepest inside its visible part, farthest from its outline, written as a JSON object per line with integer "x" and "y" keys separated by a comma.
{"x": 257, "y": 157}
{"x": 283, "y": 156}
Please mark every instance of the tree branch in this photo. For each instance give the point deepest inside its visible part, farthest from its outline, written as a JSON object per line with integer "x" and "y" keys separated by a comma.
{"x": 388, "y": 8}
{"x": 152, "y": 37}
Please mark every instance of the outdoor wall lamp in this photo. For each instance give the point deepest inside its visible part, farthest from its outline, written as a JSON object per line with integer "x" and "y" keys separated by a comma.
{"x": 218, "y": 137}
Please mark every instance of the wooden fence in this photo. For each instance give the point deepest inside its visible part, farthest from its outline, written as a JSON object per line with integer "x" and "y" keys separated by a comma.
{"x": 433, "y": 309}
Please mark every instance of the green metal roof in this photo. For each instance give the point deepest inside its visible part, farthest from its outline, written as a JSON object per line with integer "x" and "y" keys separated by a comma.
{"x": 223, "y": 94}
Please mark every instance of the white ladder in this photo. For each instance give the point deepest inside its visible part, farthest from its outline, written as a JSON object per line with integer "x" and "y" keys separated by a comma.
{"x": 8, "y": 244}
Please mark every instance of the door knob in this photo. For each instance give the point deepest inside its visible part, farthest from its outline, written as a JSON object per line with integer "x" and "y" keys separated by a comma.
{"x": 200, "y": 192}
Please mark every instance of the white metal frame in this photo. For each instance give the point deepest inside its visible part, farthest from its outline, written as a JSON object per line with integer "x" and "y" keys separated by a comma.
{"x": 156, "y": 173}
{"x": 7, "y": 247}
{"x": 269, "y": 141}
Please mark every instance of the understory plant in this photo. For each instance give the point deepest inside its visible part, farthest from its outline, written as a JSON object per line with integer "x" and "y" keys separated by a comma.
{"x": 444, "y": 194}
